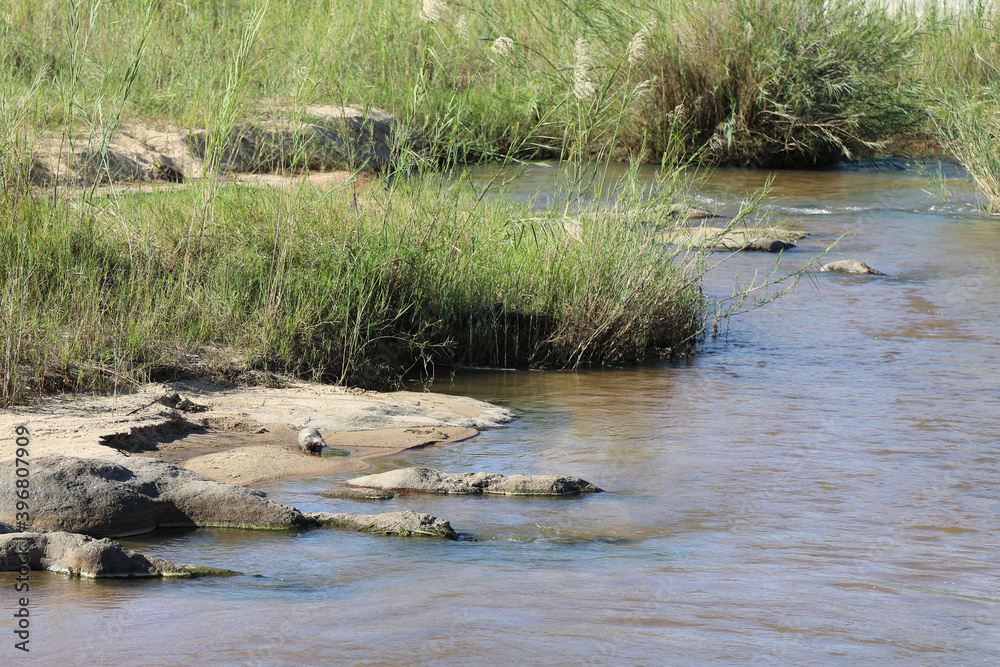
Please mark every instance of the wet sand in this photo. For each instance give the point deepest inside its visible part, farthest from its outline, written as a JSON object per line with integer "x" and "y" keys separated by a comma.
{"x": 247, "y": 436}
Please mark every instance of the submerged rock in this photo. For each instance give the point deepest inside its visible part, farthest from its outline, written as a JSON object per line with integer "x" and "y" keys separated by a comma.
{"x": 852, "y": 266}
{"x": 689, "y": 212}
{"x": 84, "y": 556}
{"x": 718, "y": 238}
{"x": 108, "y": 499}
{"x": 435, "y": 481}
{"x": 352, "y": 493}
{"x": 311, "y": 441}
{"x": 405, "y": 524}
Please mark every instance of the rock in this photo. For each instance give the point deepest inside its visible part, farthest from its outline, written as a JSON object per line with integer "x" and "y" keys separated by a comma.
{"x": 352, "y": 493}
{"x": 170, "y": 400}
{"x": 717, "y": 238}
{"x": 84, "y": 556}
{"x": 851, "y": 266}
{"x": 406, "y": 524}
{"x": 689, "y": 212}
{"x": 103, "y": 498}
{"x": 435, "y": 481}
{"x": 175, "y": 401}
{"x": 311, "y": 441}
{"x": 187, "y": 405}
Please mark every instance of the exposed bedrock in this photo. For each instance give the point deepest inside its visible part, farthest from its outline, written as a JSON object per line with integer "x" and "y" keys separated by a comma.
{"x": 102, "y": 498}
{"x": 107, "y": 499}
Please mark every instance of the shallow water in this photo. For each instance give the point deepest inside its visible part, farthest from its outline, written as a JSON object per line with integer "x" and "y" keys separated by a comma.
{"x": 820, "y": 484}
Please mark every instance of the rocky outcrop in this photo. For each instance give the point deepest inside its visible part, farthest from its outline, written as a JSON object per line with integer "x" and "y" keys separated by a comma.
{"x": 103, "y": 498}
{"x": 406, "y": 524}
{"x": 85, "y": 556}
{"x": 107, "y": 499}
{"x": 434, "y": 481}
{"x": 851, "y": 266}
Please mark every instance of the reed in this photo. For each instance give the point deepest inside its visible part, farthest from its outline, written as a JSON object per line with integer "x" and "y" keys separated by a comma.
{"x": 341, "y": 289}
{"x": 763, "y": 82}
{"x": 962, "y": 76}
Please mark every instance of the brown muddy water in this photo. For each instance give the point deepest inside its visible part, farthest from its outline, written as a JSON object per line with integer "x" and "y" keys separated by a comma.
{"x": 819, "y": 485}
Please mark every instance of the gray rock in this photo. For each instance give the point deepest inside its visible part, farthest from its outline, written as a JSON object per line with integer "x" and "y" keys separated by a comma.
{"x": 84, "y": 556}
{"x": 103, "y": 498}
{"x": 435, "y": 481}
{"x": 851, "y": 266}
{"x": 406, "y": 524}
{"x": 734, "y": 240}
{"x": 689, "y": 212}
{"x": 311, "y": 441}
{"x": 352, "y": 493}
{"x": 764, "y": 245}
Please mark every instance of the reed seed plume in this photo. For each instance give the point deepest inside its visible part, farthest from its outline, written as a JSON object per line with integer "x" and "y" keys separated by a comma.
{"x": 583, "y": 87}
{"x": 643, "y": 91}
{"x": 462, "y": 28}
{"x": 503, "y": 46}
{"x": 637, "y": 53}
{"x": 433, "y": 11}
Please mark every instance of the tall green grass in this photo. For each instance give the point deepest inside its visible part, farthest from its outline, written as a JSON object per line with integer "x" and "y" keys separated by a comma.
{"x": 962, "y": 80}
{"x": 328, "y": 285}
{"x": 753, "y": 82}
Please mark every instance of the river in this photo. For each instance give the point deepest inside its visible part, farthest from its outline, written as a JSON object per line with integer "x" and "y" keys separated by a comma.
{"x": 818, "y": 484}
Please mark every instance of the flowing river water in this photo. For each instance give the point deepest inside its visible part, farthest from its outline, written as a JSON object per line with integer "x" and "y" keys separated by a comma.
{"x": 819, "y": 484}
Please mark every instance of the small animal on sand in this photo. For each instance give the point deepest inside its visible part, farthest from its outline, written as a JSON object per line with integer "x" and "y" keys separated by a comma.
{"x": 311, "y": 441}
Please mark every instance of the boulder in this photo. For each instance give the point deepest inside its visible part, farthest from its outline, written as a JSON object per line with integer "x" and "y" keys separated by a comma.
{"x": 108, "y": 499}
{"x": 434, "y": 481}
{"x": 686, "y": 212}
{"x": 84, "y": 556}
{"x": 311, "y": 441}
{"x": 406, "y": 524}
{"x": 851, "y": 266}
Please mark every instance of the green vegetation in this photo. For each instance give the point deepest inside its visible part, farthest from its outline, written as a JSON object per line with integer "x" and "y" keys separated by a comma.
{"x": 404, "y": 271}
{"x": 345, "y": 285}
{"x": 757, "y": 82}
{"x": 963, "y": 80}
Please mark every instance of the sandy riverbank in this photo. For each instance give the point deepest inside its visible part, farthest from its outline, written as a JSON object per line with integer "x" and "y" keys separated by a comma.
{"x": 247, "y": 436}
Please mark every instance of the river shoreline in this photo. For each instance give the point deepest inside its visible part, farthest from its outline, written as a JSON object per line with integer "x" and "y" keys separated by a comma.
{"x": 247, "y": 436}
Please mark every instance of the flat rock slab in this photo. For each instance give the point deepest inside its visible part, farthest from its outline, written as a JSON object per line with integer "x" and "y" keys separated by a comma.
{"x": 353, "y": 493}
{"x": 719, "y": 238}
{"x": 84, "y": 556}
{"x": 111, "y": 499}
{"x": 405, "y": 524}
{"x": 851, "y": 266}
{"x": 434, "y": 481}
